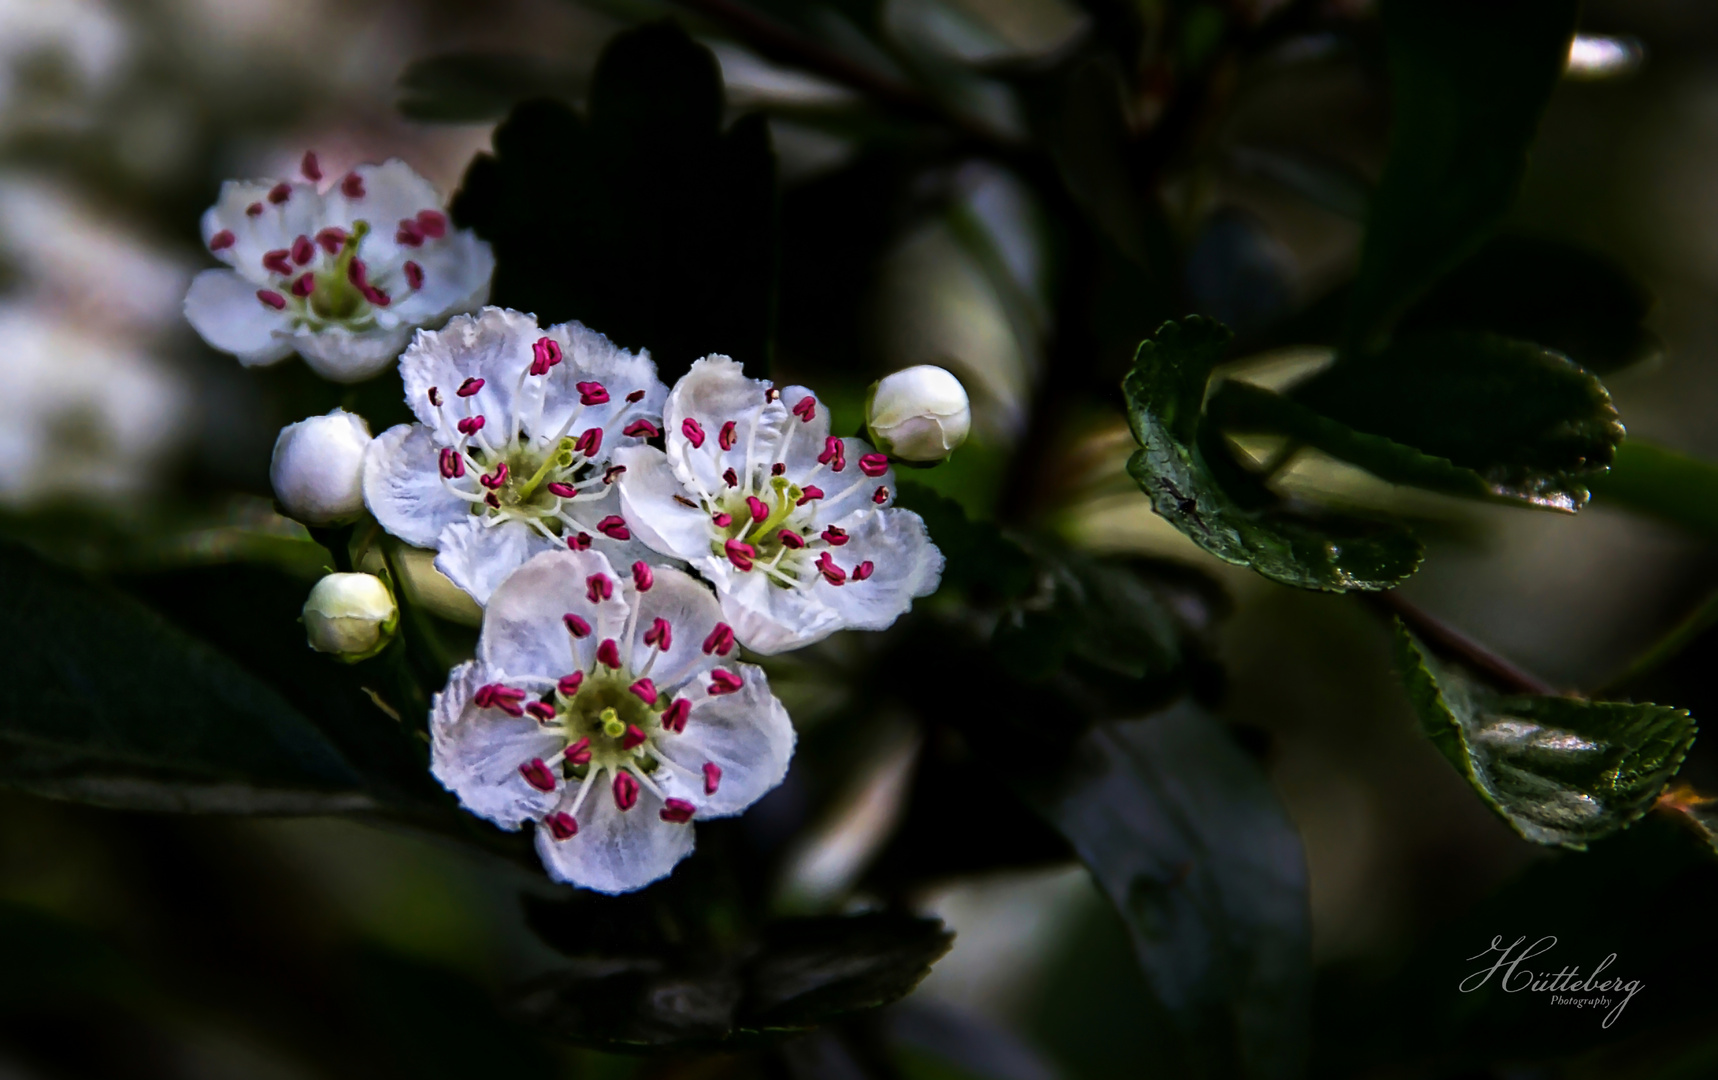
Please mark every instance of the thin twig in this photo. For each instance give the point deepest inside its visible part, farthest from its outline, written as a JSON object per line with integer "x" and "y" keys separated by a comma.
{"x": 1450, "y": 642}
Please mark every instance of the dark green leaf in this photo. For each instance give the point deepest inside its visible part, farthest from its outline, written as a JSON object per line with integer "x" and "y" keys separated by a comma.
{"x": 1183, "y": 834}
{"x": 466, "y": 88}
{"x": 1469, "y": 80}
{"x": 811, "y": 971}
{"x": 797, "y": 974}
{"x": 1244, "y": 407}
{"x": 1664, "y": 483}
{"x": 980, "y": 557}
{"x": 1534, "y": 426}
{"x": 1567, "y": 298}
{"x": 647, "y": 222}
{"x": 108, "y": 704}
{"x": 1198, "y": 489}
{"x": 1100, "y": 611}
{"x": 1559, "y": 770}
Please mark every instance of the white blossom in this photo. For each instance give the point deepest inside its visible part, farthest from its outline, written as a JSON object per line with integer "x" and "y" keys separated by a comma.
{"x": 512, "y": 452}
{"x": 793, "y": 526}
{"x": 605, "y": 708}
{"x": 352, "y": 615}
{"x": 318, "y": 467}
{"x": 341, "y": 276}
{"x": 919, "y": 413}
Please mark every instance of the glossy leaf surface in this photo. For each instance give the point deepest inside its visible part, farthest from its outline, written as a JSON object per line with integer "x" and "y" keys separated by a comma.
{"x": 1559, "y": 770}
{"x": 1200, "y": 491}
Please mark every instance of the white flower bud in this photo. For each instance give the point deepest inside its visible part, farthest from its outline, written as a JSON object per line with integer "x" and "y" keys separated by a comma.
{"x": 318, "y": 468}
{"x": 352, "y": 615}
{"x": 918, "y": 414}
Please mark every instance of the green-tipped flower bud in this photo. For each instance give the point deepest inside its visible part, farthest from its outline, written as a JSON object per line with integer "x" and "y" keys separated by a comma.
{"x": 918, "y": 414}
{"x": 351, "y": 615}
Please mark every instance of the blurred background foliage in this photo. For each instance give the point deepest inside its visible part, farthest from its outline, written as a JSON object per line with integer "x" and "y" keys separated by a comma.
{"x": 1282, "y": 875}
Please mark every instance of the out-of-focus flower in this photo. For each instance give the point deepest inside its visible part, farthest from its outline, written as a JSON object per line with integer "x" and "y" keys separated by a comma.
{"x": 918, "y": 414}
{"x": 602, "y": 707}
{"x": 90, "y": 265}
{"x": 84, "y": 44}
{"x": 1599, "y": 56}
{"x": 351, "y": 615}
{"x": 318, "y": 467}
{"x": 342, "y": 276}
{"x": 86, "y": 414}
{"x": 793, "y": 526}
{"x": 512, "y": 454}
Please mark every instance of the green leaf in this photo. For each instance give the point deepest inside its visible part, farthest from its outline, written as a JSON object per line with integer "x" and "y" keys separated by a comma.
{"x": 1532, "y": 424}
{"x": 107, "y": 704}
{"x": 1184, "y": 836}
{"x": 1559, "y": 770}
{"x": 648, "y": 221}
{"x": 1098, "y": 610}
{"x": 797, "y": 974}
{"x": 1195, "y": 486}
{"x": 1664, "y": 483}
{"x": 1468, "y": 80}
{"x": 1244, "y": 407}
{"x": 474, "y": 87}
{"x": 1565, "y": 297}
{"x": 811, "y": 971}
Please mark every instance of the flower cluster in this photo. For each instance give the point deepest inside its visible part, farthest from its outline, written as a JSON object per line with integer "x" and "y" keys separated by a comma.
{"x": 625, "y": 540}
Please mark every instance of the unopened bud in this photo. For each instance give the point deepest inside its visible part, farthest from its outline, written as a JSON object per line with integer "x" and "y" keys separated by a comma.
{"x": 318, "y": 468}
{"x": 918, "y": 414}
{"x": 351, "y": 615}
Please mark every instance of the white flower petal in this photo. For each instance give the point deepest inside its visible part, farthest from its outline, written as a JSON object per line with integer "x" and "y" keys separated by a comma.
{"x": 747, "y": 734}
{"x": 769, "y": 619}
{"x": 588, "y": 357}
{"x": 615, "y": 851}
{"x": 712, "y": 394}
{"x": 272, "y": 228}
{"x": 476, "y": 753}
{"x": 456, "y": 276}
{"x": 493, "y": 345}
{"x": 223, "y": 308}
{"x": 905, "y": 565}
{"x": 403, "y": 487}
{"x": 393, "y": 192}
{"x": 805, "y": 438}
{"x": 647, "y": 498}
{"x": 523, "y": 632}
{"x": 344, "y": 356}
{"x": 478, "y": 558}
{"x": 691, "y": 612}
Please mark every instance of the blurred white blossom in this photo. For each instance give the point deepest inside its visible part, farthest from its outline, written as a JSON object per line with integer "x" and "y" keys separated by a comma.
{"x": 88, "y": 413}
